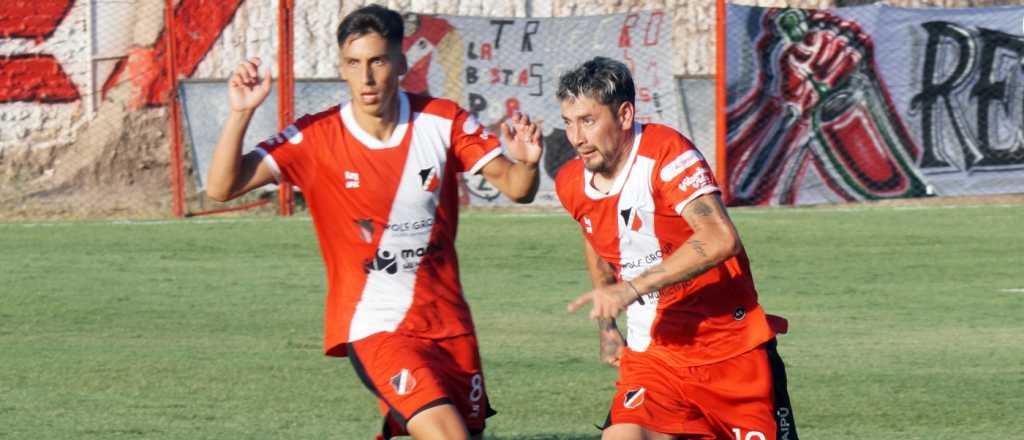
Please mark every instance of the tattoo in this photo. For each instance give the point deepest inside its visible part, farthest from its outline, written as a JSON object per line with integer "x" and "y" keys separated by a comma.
{"x": 701, "y": 209}
{"x": 611, "y": 340}
{"x": 698, "y": 247}
{"x": 700, "y": 270}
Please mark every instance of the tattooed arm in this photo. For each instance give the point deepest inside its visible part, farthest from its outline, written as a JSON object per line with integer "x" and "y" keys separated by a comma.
{"x": 603, "y": 274}
{"x": 713, "y": 241}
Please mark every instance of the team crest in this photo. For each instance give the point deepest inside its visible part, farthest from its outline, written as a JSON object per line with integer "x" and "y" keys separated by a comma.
{"x": 631, "y": 218}
{"x": 634, "y": 398}
{"x": 403, "y": 382}
{"x": 429, "y": 180}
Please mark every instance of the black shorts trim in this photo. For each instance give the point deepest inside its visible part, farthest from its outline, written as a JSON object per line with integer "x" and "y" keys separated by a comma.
{"x": 784, "y": 421}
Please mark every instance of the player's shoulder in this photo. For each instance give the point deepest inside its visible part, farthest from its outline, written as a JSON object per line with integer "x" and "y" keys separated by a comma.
{"x": 440, "y": 107}
{"x": 569, "y": 177}
{"x": 659, "y": 141}
{"x": 327, "y": 116}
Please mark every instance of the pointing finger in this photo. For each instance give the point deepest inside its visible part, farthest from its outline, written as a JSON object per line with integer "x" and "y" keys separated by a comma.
{"x": 579, "y": 302}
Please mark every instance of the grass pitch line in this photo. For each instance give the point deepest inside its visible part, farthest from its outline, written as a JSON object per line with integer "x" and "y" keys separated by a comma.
{"x": 1013, "y": 290}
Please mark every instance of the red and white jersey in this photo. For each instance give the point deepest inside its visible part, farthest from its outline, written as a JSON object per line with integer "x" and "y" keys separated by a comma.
{"x": 638, "y": 223}
{"x": 386, "y": 214}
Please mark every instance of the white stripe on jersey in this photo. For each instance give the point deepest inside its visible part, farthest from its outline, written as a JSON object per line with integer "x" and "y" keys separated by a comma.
{"x": 638, "y": 249}
{"x": 388, "y": 296}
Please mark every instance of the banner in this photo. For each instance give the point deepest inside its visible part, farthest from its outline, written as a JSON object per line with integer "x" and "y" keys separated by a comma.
{"x": 490, "y": 66}
{"x": 496, "y": 66}
{"x": 873, "y": 102}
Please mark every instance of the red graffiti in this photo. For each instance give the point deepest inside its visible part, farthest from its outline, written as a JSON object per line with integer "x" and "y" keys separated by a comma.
{"x": 198, "y": 24}
{"x": 32, "y": 19}
{"x": 511, "y": 107}
{"x": 35, "y": 78}
{"x": 627, "y": 26}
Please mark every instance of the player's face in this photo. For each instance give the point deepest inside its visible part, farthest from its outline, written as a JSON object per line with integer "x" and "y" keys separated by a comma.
{"x": 600, "y": 136}
{"x": 372, "y": 69}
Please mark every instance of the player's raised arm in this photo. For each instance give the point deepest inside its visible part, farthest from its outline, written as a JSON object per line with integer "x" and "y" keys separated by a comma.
{"x": 231, "y": 174}
{"x": 517, "y": 180}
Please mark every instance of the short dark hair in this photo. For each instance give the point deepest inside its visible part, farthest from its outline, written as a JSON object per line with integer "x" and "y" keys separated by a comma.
{"x": 602, "y": 79}
{"x": 373, "y": 18}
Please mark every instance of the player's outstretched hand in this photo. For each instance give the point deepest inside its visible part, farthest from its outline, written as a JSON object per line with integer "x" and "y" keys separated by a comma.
{"x": 246, "y": 88}
{"x": 608, "y": 301}
{"x": 523, "y": 138}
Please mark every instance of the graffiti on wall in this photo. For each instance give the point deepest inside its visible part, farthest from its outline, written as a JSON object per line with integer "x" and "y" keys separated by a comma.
{"x": 814, "y": 115}
{"x": 496, "y": 67}
{"x": 34, "y": 77}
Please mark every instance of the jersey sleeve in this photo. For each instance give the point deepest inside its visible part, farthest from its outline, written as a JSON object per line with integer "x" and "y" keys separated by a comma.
{"x": 681, "y": 175}
{"x": 474, "y": 146}
{"x": 290, "y": 153}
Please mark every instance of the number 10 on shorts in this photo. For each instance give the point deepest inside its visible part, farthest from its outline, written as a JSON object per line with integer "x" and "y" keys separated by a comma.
{"x": 751, "y": 435}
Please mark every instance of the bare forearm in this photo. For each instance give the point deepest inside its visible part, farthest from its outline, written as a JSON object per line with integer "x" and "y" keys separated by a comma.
{"x": 227, "y": 157}
{"x": 695, "y": 257}
{"x": 522, "y": 181}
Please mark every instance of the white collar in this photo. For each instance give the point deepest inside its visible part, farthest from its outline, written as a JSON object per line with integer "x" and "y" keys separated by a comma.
{"x": 371, "y": 142}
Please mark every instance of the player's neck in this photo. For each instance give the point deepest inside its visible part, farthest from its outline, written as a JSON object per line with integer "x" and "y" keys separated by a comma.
{"x": 379, "y": 126}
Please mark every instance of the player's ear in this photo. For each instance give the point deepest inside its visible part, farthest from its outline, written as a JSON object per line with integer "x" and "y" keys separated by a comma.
{"x": 626, "y": 113}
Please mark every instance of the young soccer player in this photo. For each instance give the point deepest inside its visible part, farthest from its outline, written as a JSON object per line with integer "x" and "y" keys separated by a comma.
{"x": 700, "y": 361}
{"x": 379, "y": 176}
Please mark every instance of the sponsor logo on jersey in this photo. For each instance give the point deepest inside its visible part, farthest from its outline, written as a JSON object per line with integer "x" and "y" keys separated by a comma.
{"x": 402, "y": 228}
{"x": 698, "y": 179}
{"x": 403, "y": 382}
{"x": 631, "y": 218}
{"x": 365, "y": 229}
{"x": 384, "y": 261}
{"x": 634, "y": 398}
{"x": 429, "y": 180}
{"x": 407, "y": 260}
{"x": 679, "y": 164}
{"x": 588, "y": 225}
{"x": 351, "y": 179}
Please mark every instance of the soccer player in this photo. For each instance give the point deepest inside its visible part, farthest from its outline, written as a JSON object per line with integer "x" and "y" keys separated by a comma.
{"x": 379, "y": 176}
{"x": 700, "y": 359}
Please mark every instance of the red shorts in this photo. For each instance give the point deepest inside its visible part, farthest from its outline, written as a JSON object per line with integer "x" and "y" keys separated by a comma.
{"x": 743, "y": 397}
{"x": 410, "y": 374}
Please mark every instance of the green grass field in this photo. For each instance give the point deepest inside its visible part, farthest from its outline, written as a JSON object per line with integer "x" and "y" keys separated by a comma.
{"x": 905, "y": 324}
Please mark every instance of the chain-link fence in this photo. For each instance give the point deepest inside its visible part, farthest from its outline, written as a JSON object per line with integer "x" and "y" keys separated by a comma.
{"x": 82, "y": 110}
{"x": 90, "y": 89}
{"x": 873, "y": 102}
